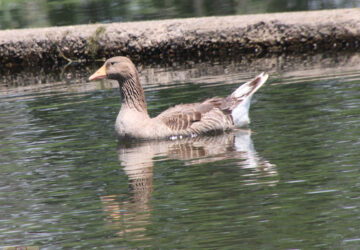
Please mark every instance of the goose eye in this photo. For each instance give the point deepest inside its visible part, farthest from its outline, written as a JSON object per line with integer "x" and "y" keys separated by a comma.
{"x": 112, "y": 63}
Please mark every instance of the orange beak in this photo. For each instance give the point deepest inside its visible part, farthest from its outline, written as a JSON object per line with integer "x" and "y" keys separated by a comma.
{"x": 99, "y": 74}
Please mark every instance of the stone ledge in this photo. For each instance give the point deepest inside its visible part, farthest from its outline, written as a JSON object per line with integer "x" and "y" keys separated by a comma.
{"x": 180, "y": 39}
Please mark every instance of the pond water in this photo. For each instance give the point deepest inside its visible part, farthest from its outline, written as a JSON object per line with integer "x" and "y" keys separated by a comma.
{"x": 42, "y": 13}
{"x": 289, "y": 181}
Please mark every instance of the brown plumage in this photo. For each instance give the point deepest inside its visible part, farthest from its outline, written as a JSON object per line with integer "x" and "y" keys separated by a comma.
{"x": 214, "y": 114}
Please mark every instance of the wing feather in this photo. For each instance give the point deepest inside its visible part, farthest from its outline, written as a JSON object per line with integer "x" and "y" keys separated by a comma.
{"x": 198, "y": 118}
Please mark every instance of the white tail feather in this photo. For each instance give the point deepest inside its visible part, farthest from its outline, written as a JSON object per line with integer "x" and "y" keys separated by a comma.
{"x": 240, "y": 114}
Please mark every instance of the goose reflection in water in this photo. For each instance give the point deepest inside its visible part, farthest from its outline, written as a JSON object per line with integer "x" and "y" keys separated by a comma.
{"x": 131, "y": 216}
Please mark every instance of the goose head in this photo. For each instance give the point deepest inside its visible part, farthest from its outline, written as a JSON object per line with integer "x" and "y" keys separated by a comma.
{"x": 116, "y": 68}
{"x": 124, "y": 71}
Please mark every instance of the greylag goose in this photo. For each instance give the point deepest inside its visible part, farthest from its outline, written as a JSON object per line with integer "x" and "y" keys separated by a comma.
{"x": 214, "y": 114}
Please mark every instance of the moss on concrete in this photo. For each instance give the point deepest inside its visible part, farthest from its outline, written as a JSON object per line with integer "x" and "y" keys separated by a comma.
{"x": 93, "y": 41}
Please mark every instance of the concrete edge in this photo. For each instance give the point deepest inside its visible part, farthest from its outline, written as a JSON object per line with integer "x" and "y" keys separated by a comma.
{"x": 182, "y": 39}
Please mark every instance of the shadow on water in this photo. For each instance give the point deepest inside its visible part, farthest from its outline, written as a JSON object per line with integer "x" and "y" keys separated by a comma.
{"x": 73, "y": 78}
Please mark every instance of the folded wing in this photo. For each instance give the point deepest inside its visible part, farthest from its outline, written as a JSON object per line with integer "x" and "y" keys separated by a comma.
{"x": 198, "y": 118}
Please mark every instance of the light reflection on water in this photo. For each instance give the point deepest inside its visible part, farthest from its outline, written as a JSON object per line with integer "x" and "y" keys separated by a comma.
{"x": 289, "y": 181}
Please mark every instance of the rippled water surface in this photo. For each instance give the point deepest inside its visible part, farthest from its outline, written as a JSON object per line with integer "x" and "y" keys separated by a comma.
{"x": 289, "y": 181}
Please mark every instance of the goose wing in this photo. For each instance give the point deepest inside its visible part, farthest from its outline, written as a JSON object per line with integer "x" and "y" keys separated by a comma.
{"x": 197, "y": 118}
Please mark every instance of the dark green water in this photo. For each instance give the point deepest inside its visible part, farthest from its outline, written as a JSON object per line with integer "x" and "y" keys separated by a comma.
{"x": 42, "y": 13}
{"x": 293, "y": 183}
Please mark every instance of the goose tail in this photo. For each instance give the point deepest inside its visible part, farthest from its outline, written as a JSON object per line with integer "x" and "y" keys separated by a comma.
{"x": 244, "y": 93}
